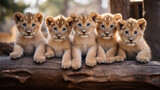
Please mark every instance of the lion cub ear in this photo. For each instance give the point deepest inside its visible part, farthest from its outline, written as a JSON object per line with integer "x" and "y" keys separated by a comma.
{"x": 142, "y": 23}
{"x": 120, "y": 23}
{"x": 17, "y": 17}
{"x": 74, "y": 17}
{"x": 70, "y": 21}
{"x": 95, "y": 16}
{"x": 117, "y": 16}
{"x": 49, "y": 21}
{"x": 39, "y": 16}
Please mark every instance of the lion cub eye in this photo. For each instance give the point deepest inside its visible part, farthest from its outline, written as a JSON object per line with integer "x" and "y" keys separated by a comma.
{"x": 24, "y": 24}
{"x": 102, "y": 26}
{"x": 135, "y": 32}
{"x": 79, "y": 24}
{"x": 55, "y": 28}
{"x": 64, "y": 29}
{"x": 126, "y": 32}
{"x": 111, "y": 26}
{"x": 33, "y": 25}
{"x": 88, "y": 24}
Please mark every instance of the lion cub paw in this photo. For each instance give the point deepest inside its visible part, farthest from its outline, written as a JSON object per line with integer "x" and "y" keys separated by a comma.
{"x": 15, "y": 55}
{"x": 76, "y": 64}
{"x": 66, "y": 64}
{"x": 39, "y": 59}
{"x": 142, "y": 59}
{"x": 91, "y": 62}
{"x": 110, "y": 60}
{"x": 100, "y": 59}
{"x": 49, "y": 54}
{"x": 119, "y": 58}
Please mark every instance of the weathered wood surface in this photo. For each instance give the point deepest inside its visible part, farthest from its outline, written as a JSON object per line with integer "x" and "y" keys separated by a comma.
{"x": 120, "y": 6}
{"x": 152, "y": 33}
{"x": 26, "y": 74}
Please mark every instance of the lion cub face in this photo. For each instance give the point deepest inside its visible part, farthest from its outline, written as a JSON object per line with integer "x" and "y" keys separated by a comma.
{"x": 84, "y": 23}
{"x": 106, "y": 27}
{"x": 58, "y": 27}
{"x": 28, "y": 24}
{"x": 131, "y": 30}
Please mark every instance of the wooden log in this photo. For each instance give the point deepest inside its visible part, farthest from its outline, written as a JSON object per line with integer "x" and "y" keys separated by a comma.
{"x": 120, "y": 6}
{"x": 23, "y": 73}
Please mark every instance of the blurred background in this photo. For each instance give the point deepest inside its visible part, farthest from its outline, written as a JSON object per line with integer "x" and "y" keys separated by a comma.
{"x": 148, "y": 9}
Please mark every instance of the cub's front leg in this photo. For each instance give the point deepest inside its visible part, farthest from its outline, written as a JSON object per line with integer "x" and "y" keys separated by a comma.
{"x": 76, "y": 61}
{"x": 17, "y": 52}
{"x": 110, "y": 55}
{"x": 101, "y": 57}
{"x": 39, "y": 54}
{"x": 66, "y": 59}
{"x": 121, "y": 55}
{"x": 49, "y": 52}
{"x": 144, "y": 56}
{"x": 91, "y": 56}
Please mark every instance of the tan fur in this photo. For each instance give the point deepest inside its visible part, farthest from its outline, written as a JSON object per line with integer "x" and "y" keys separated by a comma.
{"x": 132, "y": 43}
{"x": 84, "y": 41}
{"x": 28, "y": 43}
{"x": 107, "y": 38}
{"x": 58, "y": 43}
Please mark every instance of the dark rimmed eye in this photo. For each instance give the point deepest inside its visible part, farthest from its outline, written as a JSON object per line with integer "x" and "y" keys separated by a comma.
{"x": 79, "y": 24}
{"x": 55, "y": 28}
{"x": 111, "y": 26}
{"x": 88, "y": 24}
{"x": 135, "y": 32}
{"x": 24, "y": 24}
{"x": 64, "y": 29}
{"x": 33, "y": 25}
{"x": 102, "y": 26}
{"x": 126, "y": 32}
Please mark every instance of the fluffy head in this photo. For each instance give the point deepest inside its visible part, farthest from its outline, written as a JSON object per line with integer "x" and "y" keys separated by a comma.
{"x": 106, "y": 26}
{"x": 131, "y": 31}
{"x": 58, "y": 27}
{"x": 84, "y": 23}
{"x": 28, "y": 24}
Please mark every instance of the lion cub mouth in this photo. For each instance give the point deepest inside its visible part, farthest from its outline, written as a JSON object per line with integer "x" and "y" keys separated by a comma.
{"x": 130, "y": 44}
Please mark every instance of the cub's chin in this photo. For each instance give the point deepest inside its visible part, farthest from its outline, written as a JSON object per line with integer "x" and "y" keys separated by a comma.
{"x": 28, "y": 36}
{"x": 131, "y": 44}
{"x": 84, "y": 35}
{"x": 58, "y": 40}
{"x": 107, "y": 37}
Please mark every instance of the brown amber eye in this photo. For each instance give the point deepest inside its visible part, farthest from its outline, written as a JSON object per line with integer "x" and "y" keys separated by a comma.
{"x": 111, "y": 26}
{"x": 64, "y": 29}
{"x": 24, "y": 24}
{"x": 55, "y": 28}
{"x": 33, "y": 25}
{"x": 88, "y": 24}
{"x": 102, "y": 26}
{"x": 79, "y": 24}
{"x": 135, "y": 32}
{"x": 126, "y": 32}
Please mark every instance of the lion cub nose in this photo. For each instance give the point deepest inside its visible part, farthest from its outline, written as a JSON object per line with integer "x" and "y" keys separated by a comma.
{"x": 28, "y": 31}
{"x": 59, "y": 35}
{"x": 130, "y": 39}
{"x": 84, "y": 30}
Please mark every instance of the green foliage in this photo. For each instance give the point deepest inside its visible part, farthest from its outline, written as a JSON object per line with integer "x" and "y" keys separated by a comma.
{"x": 9, "y": 7}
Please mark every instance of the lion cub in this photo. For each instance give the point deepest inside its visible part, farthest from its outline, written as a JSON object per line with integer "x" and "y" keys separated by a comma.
{"x": 58, "y": 43}
{"x": 84, "y": 41}
{"x": 29, "y": 38}
{"x": 132, "y": 43}
{"x": 107, "y": 38}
